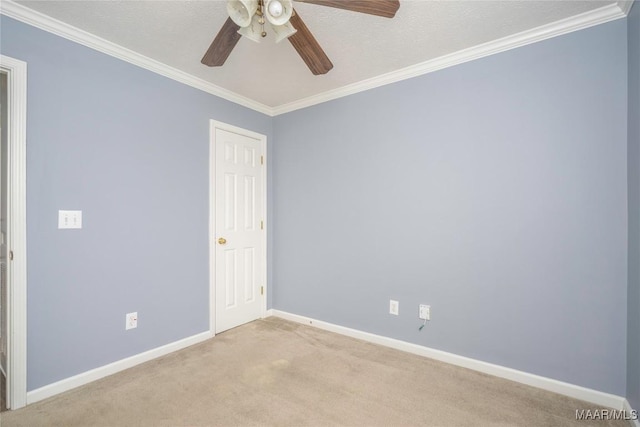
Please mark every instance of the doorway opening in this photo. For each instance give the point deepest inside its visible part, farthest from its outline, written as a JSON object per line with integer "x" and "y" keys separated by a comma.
{"x": 13, "y": 253}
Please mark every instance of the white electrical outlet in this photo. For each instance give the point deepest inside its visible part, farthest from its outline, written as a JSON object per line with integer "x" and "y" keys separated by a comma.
{"x": 425, "y": 312}
{"x": 131, "y": 321}
{"x": 394, "y": 307}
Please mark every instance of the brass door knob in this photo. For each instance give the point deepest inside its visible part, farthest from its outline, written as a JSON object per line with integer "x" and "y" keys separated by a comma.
{"x": 222, "y": 241}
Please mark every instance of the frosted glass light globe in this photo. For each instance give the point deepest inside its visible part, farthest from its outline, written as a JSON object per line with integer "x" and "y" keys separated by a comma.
{"x": 275, "y": 8}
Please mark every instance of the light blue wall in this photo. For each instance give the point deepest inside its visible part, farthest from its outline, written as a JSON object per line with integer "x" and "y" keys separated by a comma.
{"x": 130, "y": 149}
{"x": 494, "y": 191}
{"x": 633, "y": 302}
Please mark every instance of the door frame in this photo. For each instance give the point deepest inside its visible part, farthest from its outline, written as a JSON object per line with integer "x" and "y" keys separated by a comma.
{"x": 17, "y": 232}
{"x": 213, "y": 125}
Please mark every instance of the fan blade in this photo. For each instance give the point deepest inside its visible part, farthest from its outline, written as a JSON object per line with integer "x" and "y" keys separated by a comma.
{"x": 222, "y": 45}
{"x": 385, "y": 8}
{"x": 308, "y": 48}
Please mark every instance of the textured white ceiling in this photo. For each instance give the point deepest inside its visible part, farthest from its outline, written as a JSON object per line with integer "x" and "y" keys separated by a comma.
{"x": 177, "y": 33}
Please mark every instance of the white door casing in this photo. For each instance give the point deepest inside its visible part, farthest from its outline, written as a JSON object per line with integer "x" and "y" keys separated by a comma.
{"x": 16, "y": 232}
{"x": 238, "y": 226}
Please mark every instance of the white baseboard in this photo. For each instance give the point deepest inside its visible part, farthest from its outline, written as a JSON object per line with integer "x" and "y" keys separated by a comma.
{"x": 112, "y": 368}
{"x": 627, "y": 409}
{"x": 571, "y": 390}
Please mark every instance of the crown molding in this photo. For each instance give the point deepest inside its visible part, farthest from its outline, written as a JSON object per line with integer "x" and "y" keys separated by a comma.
{"x": 544, "y": 32}
{"x": 59, "y": 28}
{"x": 625, "y": 6}
{"x": 585, "y": 20}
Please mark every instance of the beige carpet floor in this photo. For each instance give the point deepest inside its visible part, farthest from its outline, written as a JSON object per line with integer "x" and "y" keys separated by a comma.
{"x": 277, "y": 373}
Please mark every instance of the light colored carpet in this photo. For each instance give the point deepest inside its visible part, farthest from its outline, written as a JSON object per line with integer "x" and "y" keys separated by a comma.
{"x": 278, "y": 373}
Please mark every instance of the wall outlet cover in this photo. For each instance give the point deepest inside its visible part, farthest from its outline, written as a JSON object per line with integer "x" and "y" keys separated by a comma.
{"x": 424, "y": 312}
{"x": 394, "y": 307}
{"x": 131, "y": 321}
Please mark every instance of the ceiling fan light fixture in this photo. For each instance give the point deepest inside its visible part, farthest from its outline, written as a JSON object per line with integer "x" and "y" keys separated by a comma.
{"x": 278, "y": 12}
{"x": 252, "y": 31}
{"x": 248, "y": 18}
{"x": 275, "y": 8}
{"x": 282, "y": 32}
{"x": 242, "y": 11}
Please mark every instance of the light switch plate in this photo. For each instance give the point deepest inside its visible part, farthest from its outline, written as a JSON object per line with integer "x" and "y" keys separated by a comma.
{"x": 69, "y": 219}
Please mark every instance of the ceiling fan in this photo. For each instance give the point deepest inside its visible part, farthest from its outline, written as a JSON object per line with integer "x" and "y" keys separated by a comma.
{"x": 249, "y": 17}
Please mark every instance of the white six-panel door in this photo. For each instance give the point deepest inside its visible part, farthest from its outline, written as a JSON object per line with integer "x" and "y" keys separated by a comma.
{"x": 238, "y": 240}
